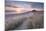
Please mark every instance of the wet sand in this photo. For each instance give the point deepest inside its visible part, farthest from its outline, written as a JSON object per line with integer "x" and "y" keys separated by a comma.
{"x": 32, "y": 20}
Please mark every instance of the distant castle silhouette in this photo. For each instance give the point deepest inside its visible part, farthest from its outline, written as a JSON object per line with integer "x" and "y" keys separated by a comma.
{"x": 29, "y": 12}
{"x": 33, "y": 10}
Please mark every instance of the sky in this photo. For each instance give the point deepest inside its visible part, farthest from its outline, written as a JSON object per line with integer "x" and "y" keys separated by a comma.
{"x": 28, "y": 0}
{"x": 20, "y": 6}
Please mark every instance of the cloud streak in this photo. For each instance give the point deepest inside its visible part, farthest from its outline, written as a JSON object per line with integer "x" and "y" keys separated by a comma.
{"x": 22, "y": 6}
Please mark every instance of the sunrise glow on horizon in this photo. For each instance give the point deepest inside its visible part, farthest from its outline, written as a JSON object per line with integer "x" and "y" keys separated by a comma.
{"x": 21, "y": 6}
